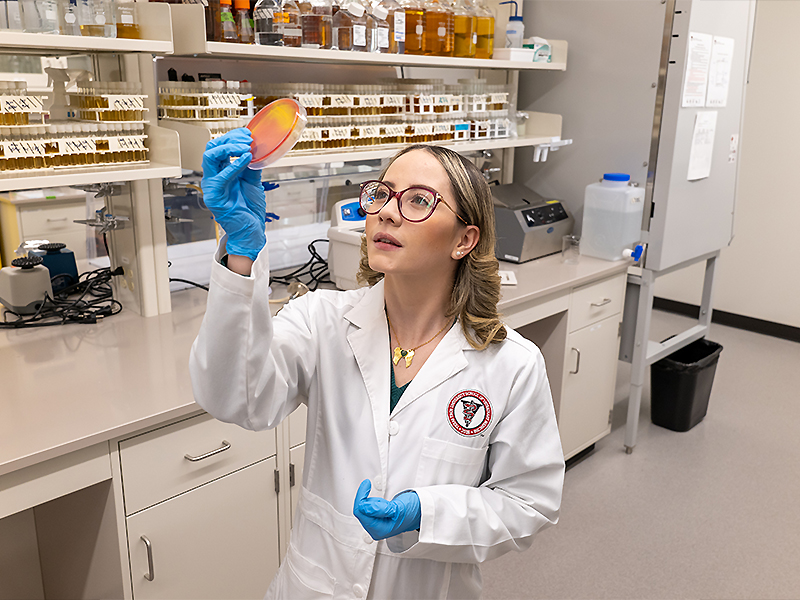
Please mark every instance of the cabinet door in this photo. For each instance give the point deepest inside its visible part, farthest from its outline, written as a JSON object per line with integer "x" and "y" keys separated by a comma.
{"x": 588, "y": 394}
{"x": 296, "y": 457}
{"x": 217, "y": 541}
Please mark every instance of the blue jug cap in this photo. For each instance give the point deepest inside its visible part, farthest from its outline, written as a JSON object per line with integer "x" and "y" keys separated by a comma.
{"x": 515, "y": 18}
{"x": 616, "y": 177}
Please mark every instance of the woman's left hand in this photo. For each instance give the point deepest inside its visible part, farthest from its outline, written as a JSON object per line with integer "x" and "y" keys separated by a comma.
{"x": 386, "y": 518}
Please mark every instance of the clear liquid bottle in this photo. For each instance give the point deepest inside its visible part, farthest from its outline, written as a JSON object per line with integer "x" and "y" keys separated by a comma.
{"x": 39, "y": 16}
{"x": 484, "y": 46}
{"x": 396, "y": 18}
{"x": 13, "y": 15}
{"x": 438, "y": 28}
{"x": 68, "y": 17}
{"x": 415, "y": 26}
{"x": 316, "y": 18}
{"x": 268, "y": 23}
{"x": 244, "y": 24}
{"x": 127, "y": 20}
{"x": 378, "y": 30}
{"x": 227, "y": 22}
{"x": 465, "y": 21}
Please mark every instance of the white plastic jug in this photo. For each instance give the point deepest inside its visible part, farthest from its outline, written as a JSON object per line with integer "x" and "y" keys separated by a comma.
{"x": 612, "y": 217}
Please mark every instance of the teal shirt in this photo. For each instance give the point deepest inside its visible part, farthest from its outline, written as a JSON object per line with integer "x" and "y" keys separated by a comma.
{"x": 395, "y": 392}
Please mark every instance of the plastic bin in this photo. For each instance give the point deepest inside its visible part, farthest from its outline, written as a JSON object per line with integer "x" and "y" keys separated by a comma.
{"x": 681, "y": 385}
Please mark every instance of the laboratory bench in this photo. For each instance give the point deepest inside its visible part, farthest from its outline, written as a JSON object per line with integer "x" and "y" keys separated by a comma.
{"x": 114, "y": 483}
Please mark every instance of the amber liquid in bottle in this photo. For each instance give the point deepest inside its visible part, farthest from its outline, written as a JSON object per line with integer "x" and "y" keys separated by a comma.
{"x": 415, "y": 31}
{"x": 128, "y": 31}
{"x": 292, "y": 30}
{"x": 464, "y": 27}
{"x": 316, "y": 27}
{"x": 485, "y": 45}
{"x": 438, "y": 33}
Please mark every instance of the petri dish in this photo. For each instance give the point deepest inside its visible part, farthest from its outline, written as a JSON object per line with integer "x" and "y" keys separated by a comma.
{"x": 275, "y": 130}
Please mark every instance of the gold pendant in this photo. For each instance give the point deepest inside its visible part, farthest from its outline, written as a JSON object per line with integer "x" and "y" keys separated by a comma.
{"x": 400, "y": 353}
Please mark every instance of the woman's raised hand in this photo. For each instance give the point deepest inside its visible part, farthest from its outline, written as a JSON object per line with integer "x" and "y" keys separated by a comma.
{"x": 234, "y": 194}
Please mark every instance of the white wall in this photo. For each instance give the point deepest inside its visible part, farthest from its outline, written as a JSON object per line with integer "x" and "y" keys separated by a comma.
{"x": 759, "y": 275}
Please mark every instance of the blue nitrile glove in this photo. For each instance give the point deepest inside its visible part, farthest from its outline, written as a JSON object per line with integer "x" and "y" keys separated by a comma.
{"x": 233, "y": 193}
{"x": 386, "y": 518}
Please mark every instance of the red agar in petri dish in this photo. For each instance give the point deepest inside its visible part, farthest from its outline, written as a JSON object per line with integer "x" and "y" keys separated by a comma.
{"x": 275, "y": 130}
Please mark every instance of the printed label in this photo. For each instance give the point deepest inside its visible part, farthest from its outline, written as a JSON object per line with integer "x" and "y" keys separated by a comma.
{"x": 311, "y": 134}
{"x": 441, "y": 128}
{"x": 100, "y": 19}
{"x": 420, "y": 30}
{"x": 70, "y": 18}
{"x": 126, "y": 143}
{"x": 400, "y": 26}
{"x": 498, "y": 98}
{"x": 126, "y": 102}
{"x": 223, "y": 100}
{"x": 263, "y": 13}
{"x": 126, "y": 19}
{"x": 383, "y": 37}
{"x": 292, "y": 32}
{"x": 394, "y": 100}
{"x": 359, "y": 35}
{"x": 423, "y": 129}
{"x": 441, "y": 32}
{"x": 21, "y": 104}
{"x": 425, "y": 99}
{"x": 443, "y": 100}
{"x": 23, "y": 149}
{"x": 76, "y": 146}
{"x": 341, "y": 100}
{"x": 395, "y": 129}
{"x": 369, "y": 131}
{"x": 226, "y": 17}
{"x": 462, "y": 126}
{"x": 338, "y": 133}
{"x": 310, "y": 100}
{"x": 370, "y": 100}
{"x": 474, "y": 38}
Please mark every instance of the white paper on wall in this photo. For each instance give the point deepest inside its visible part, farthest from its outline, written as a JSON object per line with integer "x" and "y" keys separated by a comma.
{"x": 700, "y": 155}
{"x": 719, "y": 72}
{"x": 698, "y": 58}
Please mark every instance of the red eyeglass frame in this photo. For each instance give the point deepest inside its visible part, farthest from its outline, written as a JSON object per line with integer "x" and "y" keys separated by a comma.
{"x": 437, "y": 197}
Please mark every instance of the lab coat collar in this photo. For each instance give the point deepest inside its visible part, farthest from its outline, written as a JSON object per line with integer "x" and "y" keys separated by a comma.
{"x": 371, "y": 341}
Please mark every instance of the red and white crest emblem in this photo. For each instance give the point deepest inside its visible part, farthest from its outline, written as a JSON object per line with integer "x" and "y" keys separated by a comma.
{"x": 469, "y": 413}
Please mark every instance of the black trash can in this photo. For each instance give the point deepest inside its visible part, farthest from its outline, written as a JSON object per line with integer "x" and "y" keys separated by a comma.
{"x": 681, "y": 385}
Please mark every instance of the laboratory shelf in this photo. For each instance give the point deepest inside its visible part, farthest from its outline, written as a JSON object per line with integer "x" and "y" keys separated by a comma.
{"x": 189, "y": 37}
{"x": 164, "y": 153}
{"x": 154, "y": 22}
{"x": 542, "y": 128}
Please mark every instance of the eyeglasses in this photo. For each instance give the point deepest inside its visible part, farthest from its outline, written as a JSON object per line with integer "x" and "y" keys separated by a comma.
{"x": 415, "y": 203}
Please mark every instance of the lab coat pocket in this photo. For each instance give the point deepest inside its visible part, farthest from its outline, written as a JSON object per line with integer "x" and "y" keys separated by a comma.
{"x": 443, "y": 463}
{"x": 301, "y": 579}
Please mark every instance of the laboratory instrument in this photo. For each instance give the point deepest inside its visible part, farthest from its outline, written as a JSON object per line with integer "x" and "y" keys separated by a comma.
{"x": 24, "y": 284}
{"x": 528, "y": 226}
{"x": 60, "y": 261}
{"x": 612, "y": 217}
{"x": 348, "y": 220}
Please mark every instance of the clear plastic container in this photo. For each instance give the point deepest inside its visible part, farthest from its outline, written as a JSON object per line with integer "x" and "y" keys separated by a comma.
{"x": 612, "y": 217}
{"x": 227, "y": 19}
{"x": 40, "y": 16}
{"x": 379, "y": 31}
{"x": 244, "y": 24}
{"x": 268, "y": 23}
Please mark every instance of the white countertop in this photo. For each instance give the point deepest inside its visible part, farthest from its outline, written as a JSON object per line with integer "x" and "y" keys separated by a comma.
{"x": 68, "y": 387}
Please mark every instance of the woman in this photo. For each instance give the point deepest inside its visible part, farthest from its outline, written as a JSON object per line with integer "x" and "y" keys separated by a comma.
{"x": 432, "y": 443}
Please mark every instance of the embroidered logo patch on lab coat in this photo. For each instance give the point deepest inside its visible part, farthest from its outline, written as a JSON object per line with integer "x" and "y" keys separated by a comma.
{"x": 469, "y": 412}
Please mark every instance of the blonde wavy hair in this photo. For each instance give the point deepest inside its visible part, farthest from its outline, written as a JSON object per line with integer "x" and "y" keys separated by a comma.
{"x": 476, "y": 290}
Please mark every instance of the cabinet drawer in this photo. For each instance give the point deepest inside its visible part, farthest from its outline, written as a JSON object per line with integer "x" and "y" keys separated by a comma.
{"x": 595, "y": 302}
{"x": 52, "y": 220}
{"x": 155, "y": 466}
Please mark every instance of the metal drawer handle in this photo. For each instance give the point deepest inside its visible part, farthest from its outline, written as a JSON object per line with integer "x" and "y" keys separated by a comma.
{"x": 225, "y": 446}
{"x": 151, "y": 574}
{"x": 603, "y": 303}
{"x": 577, "y": 363}
{"x": 56, "y": 220}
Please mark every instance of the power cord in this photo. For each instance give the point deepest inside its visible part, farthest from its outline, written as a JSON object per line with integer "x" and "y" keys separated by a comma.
{"x": 93, "y": 302}
{"x": 316, "y": 269}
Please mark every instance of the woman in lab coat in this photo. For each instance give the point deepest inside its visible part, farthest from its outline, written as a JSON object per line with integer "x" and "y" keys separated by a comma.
{"x": 406, "y": 490}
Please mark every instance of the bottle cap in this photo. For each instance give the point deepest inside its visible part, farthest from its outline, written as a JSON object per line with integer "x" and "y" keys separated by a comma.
{"x": 275, "y": 130}
{"x": 380, "y": 12}
{"x": 355, "y": 9}
{"x": 242, "y": 4}
{"x": 225, "y": 2}
{"x": 616, "y": 177}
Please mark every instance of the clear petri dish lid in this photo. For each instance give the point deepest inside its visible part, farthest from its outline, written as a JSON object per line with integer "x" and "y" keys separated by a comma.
{"x": 275, "y": 130}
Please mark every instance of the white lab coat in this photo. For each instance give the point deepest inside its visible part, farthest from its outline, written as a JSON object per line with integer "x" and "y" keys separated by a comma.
{"x": 482, "y": 494}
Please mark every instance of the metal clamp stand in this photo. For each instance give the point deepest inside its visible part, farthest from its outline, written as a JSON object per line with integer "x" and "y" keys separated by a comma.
{"x": 636, "y": 347}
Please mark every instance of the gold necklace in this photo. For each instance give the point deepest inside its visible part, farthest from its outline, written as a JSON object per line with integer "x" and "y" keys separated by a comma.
{"x": 409, "y": 354}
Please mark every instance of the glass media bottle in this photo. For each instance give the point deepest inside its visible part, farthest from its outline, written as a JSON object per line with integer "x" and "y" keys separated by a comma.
{"x": 484, "y": 46}
{"x": 438, "y": 28}
{"x": 415, "y": 26}
{"x": 127, "y": 23}
{"x": 315, "y": 19}
{"x": 396, "y": 18}
{"x": 465, "y": 20}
